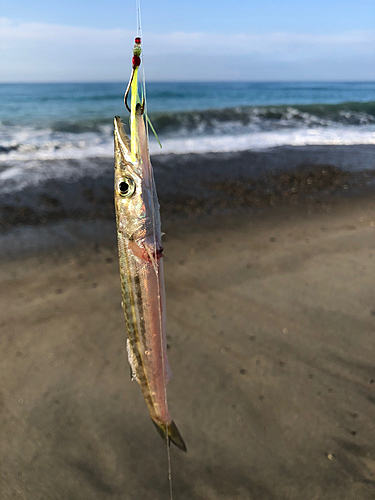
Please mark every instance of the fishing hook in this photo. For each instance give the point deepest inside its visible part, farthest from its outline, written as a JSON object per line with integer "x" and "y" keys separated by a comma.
{"x": 127, "y": 91}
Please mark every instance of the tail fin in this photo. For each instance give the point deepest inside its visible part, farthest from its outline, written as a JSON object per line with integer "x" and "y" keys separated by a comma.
{"x": 173, "y": 434}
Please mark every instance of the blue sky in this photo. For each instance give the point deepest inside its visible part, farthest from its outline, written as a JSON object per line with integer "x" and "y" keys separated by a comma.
{"x": 188, "y": 40}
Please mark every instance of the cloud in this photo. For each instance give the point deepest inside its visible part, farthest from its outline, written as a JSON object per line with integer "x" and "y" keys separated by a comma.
{"x": 38, "y": 51}
{"x": 13, "y": 31}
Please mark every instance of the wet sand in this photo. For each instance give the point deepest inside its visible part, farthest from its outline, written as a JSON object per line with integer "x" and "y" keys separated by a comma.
{"x": 194, "y": 183}
{"x": 271, "y": 333}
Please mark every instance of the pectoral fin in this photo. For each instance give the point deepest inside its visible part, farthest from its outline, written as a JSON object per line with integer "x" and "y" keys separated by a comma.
{"x": 132, "y": 361}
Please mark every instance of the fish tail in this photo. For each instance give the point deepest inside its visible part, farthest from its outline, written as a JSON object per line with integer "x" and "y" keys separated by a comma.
{"x": 173, "y": 434}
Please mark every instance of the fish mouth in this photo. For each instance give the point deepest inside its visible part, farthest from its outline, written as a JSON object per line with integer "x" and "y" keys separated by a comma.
{"x": 122, "y": 141}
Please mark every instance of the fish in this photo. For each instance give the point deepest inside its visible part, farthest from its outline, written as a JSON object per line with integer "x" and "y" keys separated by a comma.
{"x": 141, "y": 269}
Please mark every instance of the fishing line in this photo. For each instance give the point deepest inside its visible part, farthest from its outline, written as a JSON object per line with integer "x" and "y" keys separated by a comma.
{"x": 156, "y": 267}
{"x": 139, "y": 21}
{"x": 162, "y": 346}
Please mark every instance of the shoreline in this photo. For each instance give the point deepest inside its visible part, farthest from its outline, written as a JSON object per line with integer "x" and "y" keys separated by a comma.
{"x": 189, "y": 184}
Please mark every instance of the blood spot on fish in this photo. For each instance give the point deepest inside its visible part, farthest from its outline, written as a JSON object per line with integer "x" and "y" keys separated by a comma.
{"x": 145, "y": 252}
{"x": 149, "y": 255}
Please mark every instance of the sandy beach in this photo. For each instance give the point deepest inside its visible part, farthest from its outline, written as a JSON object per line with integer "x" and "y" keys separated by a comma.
{"x": 271, "y": 334}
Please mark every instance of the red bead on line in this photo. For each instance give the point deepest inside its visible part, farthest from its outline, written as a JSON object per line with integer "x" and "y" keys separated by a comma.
{"x": 137, "y": 40}
{"x": 136, "y": 61}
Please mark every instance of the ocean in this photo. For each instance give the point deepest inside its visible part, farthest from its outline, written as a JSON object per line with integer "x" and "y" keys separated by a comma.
{"x": 54, "y": 130}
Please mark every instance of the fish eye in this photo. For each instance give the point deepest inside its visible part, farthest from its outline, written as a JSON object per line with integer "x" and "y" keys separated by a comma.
{"x": 126, "y": 187}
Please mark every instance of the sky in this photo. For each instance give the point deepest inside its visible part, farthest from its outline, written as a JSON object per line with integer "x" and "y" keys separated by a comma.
{"x": 195, "y": 40}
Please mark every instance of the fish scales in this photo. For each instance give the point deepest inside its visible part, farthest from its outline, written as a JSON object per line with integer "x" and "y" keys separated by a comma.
{"x": 130, "y": 311}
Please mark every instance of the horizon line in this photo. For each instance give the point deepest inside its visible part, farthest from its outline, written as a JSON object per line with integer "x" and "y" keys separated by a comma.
{"x": 39, "y": 82}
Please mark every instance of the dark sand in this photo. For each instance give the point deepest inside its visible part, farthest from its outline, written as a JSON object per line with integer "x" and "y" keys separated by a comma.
{"x": 271, "y": 332}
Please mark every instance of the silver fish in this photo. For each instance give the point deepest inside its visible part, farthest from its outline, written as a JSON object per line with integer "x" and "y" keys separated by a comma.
{"x": 141, "y": 272}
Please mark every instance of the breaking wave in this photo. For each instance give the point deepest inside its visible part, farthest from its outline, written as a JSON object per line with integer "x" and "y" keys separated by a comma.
{"x": 213, "y": 130}
{"x": 266, "y": 117}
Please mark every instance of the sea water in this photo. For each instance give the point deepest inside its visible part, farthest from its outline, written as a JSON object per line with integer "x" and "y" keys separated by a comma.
{"x": 44, "y": 123}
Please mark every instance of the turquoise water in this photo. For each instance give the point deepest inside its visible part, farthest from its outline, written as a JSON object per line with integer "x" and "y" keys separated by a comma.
{"x": 53, "y": 105}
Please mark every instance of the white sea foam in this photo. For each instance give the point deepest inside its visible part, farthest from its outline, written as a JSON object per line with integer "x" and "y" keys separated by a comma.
{"x": 26, "y": 143}
{"x": 260, "y": 140}
{"x": 39, "y": 155}
{"x": 30, "y": 144}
